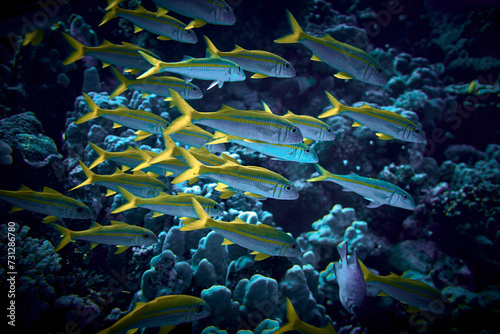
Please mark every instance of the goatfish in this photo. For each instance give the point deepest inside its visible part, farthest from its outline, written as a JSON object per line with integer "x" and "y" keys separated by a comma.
{"x": 147, "y": 122}
{"x": 160, "y": 86}
{"x": 124, "y": 55}
{"x": 166, "y": 26}
{"x": 119, "y": 234}
{"x": 164, "y": 311}
{"x": 378, "y": 192}
{"x": 202, "y": 11}
{"x": 49, "y": 202}
{"x": 417, "y": 294}
{"x": 388, "y": 124}
{"x": 173, "y": 205}
{"x": 352, "y": 285}
{"x": 286, "y": 152}
{"x": 213, "y": 68}
{"x": 256, "y": 181}
{"x": 350, "y": 61}
{"x": 295, "y": 324}
{"x": 139, "y": 183}
{"x": 264, "y": 64}
{"x": 311, "y": 127}
{"x": 195, "y": 136}
{"x": 250, "y": 124}
{"x": 262, "y": 239}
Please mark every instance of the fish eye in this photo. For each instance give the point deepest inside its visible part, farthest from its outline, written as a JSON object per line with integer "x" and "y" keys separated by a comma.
{"x": 287, "y": 65}
{"x": 79, "y": 209}
{"x": 239, "y": 68}
{"x": 293, "y": 246}
{"x": 405, "y": 197}
{"x": 214, "y": 207}
{"x": 307, "y": 150}
{"x": 226, "y": 9}
{"x": 199, "y": 309}
{"x": 329, "y": 130}
{"x": 379, "y": 70}
{"x": 293, "y": 130}
{"x": 188, "y": 31}
{"x": 194, "y": 88}
{"x": 288, "y": 187}
{"x": 145, "y": 236}
{"x": 417, "y": 131}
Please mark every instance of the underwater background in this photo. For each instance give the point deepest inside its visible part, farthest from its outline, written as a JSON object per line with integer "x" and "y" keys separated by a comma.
{"x": 442, "y": 61}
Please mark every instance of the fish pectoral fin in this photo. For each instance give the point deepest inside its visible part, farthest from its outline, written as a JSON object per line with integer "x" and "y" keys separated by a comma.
{"x": 315, "y": 58}
{"x": 374, "y": 204}
{"x": 94, "y": 245}
{"x": 343, "y": 75}
{"x": 121, "y": 249}
{"x": 110, "y": 192}
{"x": 15, "y": 209}
{"x": 227, "y": 242}
{"x": 249, "y": 194}
{"x": 163, "y": 38}
{"x": 196, "y": 23}
{"x": 260, "y": 256}
{"x": 166, "y": 329}
{"x": 259, "y": 76}
{"x": 215, "y": 82}
{"x": 49, "y": 219}
{"x": 187, "y": 79}
{"x": 383, "y": 136}
{"x": 356, "y": 124}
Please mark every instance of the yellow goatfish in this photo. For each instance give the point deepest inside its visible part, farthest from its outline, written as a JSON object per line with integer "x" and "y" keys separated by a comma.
{"x": 119, "y": 234}
{"x": 388, "y": 124}
{"x": 48, "y": 201}
{"x": 165, "y": 312}
{"x": 349, "y": 60}
{"x": 262, "y": 239}
{"x": 417, "y": 294}
{"x": 264, "y": 64}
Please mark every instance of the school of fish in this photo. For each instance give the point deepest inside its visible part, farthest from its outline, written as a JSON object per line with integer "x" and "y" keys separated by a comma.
{"x": 200, "y": 135}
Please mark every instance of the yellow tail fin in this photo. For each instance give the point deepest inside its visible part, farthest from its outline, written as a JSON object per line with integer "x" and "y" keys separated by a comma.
{"x": 94, "y": 110}
{"x": 203, "y": 218}
{"x": 337, "y": 107}
{"x": 211, "y": 47}
{"x": 195, "y": 167}
{"x": 369, "y": 277}
{"x": 79, "y": 49}
{"x": 297, "y": 33}
{"x": 66, "y": 233}
{"x": 157, "y": 65}
{"x": 110, "y": 14}
{"x": 124, "y": 83}
{"x": 103, "y": 156}
{"x": 91, "y": 177}
{"x": 132, "y": 201}
{"x": 113, "y": 3}
{"x": 188, "y": 113}
{"x": 323, "y": 174}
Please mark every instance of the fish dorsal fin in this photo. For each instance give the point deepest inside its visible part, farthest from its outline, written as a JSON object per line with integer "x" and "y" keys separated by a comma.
{"x": 138, "y": 305}
{"x": 95, "y": 224}
{"x": 289, "y": 113}
{"x": 160, "y": 11}
{"x": 186, "y": 58}
{"x": 24, "y": 188}
{"x": 230, "y": 159}
{"x": 238, "y": 48}
{"x": 265, "y": 226}
{"x": 366, "y": 106}
{"x": 329, "y": 38}
{"x": 238, "y": 221}
{"x": 106, "y": 43}
{"x": 186, "y": 194}
{"x": 140, "y": 173}
{"x": 118, "y": 171}
{"x": 114, "y": 222}
{"x": 140, "y": 9}
{"x": 211, "y": 54}
{"x": 51, "y": 191}
{"x": 266, "y": 107}
{"x": 225, "y": 108}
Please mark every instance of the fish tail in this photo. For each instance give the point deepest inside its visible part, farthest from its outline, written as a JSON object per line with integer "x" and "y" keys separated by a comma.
{"x": 195, "y": 167}
{"x": 66, "y": 233}
{"x": 113, "y": 3}
{"x": 188, "y": 113}
{"x": 132, "y": 201}
{"x": 323, "y": 174}
{"x": 157, "y": 65}
{"x": 91, "y": 177}
{"x": 369, "y": 277}
{"x": 220, "y": 137}
{"x": 79, "y": 49}
{"x": 201, "y": 222}
{"x": 94, "y": 110}
{"x": 124, "y": 82}
{"x": 297, "y": 33}
{"x": 211, "y": 49}
{"x": 103, "y": 155}
{"x": 111, "y": 12}
{"x": 294, "y": 323}
{"x": 342, "y": 249}
{"x": 337, "y": 107}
